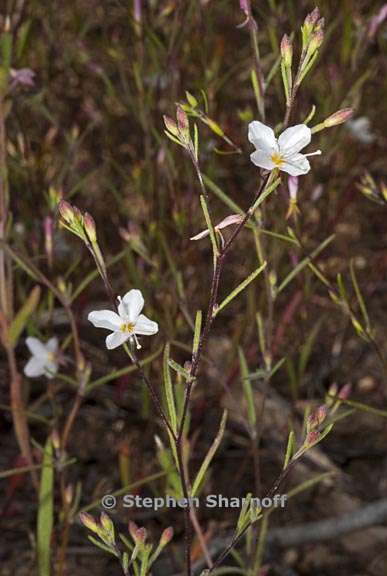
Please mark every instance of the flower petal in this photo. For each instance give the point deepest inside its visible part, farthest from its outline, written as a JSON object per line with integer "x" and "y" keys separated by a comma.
{"x": 34, "y": 367}
{"x": 263, "y": 160}
{"x": 296, "y": 165}
{"x": 131, "y": 305}
{"x": 294, "y": 139}
{"x": 145, "y": 327}
{"x": 115, "y": 339}
{"x": 105, "y": 319}
{"x": 262, "y": 137}
{"x": 52, "y": 344}
{"x": 36, "y": 347}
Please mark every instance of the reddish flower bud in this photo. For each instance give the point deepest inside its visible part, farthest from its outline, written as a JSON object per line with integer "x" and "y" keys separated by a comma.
{"x": 88, "y": 521}
{"x": 66, "y": 211}
{"x": 166, "y": 536}
{"x": 345, "y": 392}
{"x": 89, "y": 226}
{"x": 286, "y": 50}
{"x": 182, "y": 120}
{"x": 312, "y": 437}
{"x": 312, "y": 18}
{"x": 338, "y": 117}
{"x": 171, "y": 125}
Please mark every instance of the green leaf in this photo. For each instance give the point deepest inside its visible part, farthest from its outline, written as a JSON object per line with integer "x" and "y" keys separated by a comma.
{"x": 191, "y": 99}
{"x": 240, "y": 287}
{"x": 307, "y": 260}
{"x": 21, "y": 319}
{"x": 45, "y": 518}
{"x": 198, "y": 329}
{"x": 247, "y": 389}
{"x": 168, "y": 388}
{"x": 290, "y": 448}
{"x": 222, "y": 195}
{"x": 178, "y": 368}
{"x": 359, "y": 297}
{"x": 210, "y": 454}
{"x": 210, "y": 226}
{"x": 266, "y": 192}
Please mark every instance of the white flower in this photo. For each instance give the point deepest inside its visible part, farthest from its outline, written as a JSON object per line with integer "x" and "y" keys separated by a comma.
{"x": 127, "y": 323}
{"x": 44, "y": 359}
{"x": 282, "y": 153}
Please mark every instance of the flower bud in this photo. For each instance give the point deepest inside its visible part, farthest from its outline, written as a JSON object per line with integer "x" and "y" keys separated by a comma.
{"x": 345, "y": 392}
{"x": 88, "y": 521}
{"x": 316, "y": 41}
{"x": 68, "y": 494}
{"x": 182, "y": 121}
{"x": 311, "y": 19}
{"x": 139, "y": 535}
{"x": 338, "y": 117}
{"x": 312, "y": 437}
{"x": 66, "y": 211}
{"x": 286, "y": 51}
{"x": 107, "y": 526}
{"x": 55, "y": 440}
{"x": 171, "y": 125}
{"x": 132, "y": 527}
{"x": 89, "y": 226}
{"x": 317, "y": 418}
{"x": 293, "y": 187}
{"x": 166, "y": 536}
{"x": 244, "y": 6}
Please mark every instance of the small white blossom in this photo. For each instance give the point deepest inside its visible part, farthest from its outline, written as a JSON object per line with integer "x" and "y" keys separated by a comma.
{"x": 283, "y": 152}
{"x": 127, "y": 324}
{"x": 44, "y": 359}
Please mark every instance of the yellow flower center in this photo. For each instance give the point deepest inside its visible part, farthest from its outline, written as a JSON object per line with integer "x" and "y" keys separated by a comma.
{"x": 277, "y": 159}
{"x": 127, "y": 327}
{"x": 51, "y": 357}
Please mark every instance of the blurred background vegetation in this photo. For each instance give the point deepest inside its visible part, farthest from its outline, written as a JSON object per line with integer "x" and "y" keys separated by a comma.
{"x": 88, "y": 125}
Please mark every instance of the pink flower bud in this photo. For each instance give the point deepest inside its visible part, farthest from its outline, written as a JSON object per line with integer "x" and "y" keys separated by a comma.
{"x": 317, "y": 418}
{"x": 316, "y": 40}
{"x": 55, "y": 440}
{"x": 312, "y": 18}
{"x": 166, "y": 536}
{"x": 132, "y": 529}
{"x": 48, "y": 233}
{"x": 182, "y": 120}
{"x": 345, "y": 392}
{"x": 286, "y": 50}
{"x": 89, "y": 226}
{"x": 69, "y": 494}
{"x": 244, "y": 6}
{"x": 171, "y": 125}
{"x": 338, "y": 117}
{"x": 312, "y": 437}
{"x": 88, "y": 521}
{"x": 293, "y": 187}
{"x": 66, "y": 211}
{"x": 141, "y": 535}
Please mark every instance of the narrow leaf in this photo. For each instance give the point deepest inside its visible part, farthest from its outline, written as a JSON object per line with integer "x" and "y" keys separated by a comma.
{"x": 23, "y": 315}
{"x": 210, "y": 454}
{"x": 240, "y": 287}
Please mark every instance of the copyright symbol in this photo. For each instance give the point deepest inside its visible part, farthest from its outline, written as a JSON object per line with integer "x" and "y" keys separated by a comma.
{"x": 109, "y": 502}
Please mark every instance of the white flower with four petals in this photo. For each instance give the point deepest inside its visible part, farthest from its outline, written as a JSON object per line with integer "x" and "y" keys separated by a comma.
{"x": 44, "y": 359}
{"x": 127, "y": 324}
{"x": 283, "y": 152}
